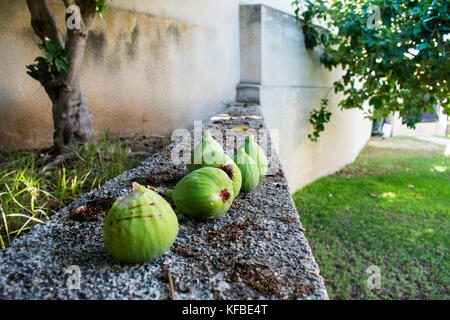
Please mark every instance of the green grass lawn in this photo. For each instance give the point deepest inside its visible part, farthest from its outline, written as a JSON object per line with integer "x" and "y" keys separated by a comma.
{"x": 391, "y": 209}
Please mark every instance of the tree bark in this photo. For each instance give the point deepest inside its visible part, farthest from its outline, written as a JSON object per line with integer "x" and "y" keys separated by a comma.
{"x": 71, "y": 117}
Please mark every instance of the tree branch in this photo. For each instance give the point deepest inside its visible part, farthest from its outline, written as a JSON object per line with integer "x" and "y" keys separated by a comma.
{"x": 88, "y": 11}
{"x": 69, "y": 3}
{"x": 44, "y": 23}
{"x": 51, "y": 84}
{"x": 76, "y": 39}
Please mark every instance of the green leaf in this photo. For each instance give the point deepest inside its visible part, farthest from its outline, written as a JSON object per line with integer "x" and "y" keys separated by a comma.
{"x": 422, "y": 46}
{"x": 49, "y": 56}
{"x": 61, "y": 65}
{"x": 54, "y": 59}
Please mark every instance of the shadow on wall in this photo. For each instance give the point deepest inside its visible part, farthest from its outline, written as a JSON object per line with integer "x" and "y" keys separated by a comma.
{"x": 142, "y": 74}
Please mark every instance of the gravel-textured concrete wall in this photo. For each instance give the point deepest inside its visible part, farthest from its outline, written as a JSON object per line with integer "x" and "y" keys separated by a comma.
{"x": 257, "y": 250}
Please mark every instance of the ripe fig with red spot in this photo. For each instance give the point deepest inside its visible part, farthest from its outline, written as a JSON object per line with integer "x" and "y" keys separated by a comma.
{"x": 204, "y": 193}
{"x": 209, "y": 153}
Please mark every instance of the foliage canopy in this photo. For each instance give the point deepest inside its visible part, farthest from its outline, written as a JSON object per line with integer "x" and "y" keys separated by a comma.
{"x": 394, "y": 54}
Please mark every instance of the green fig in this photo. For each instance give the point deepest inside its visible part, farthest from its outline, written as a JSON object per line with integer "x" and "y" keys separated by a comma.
{"x": 233, "y": 171}
{"x": 257, "y": 154}
{"x": 208, "y": 152}
{"x": 203, "y": 193}
{"x": 249, "y": 170}
{"x": 140, "y": 226}
{"x": 212, "y": 155}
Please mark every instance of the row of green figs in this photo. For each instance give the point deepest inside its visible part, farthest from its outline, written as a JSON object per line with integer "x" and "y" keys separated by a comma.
{"x": 142, "y": 225}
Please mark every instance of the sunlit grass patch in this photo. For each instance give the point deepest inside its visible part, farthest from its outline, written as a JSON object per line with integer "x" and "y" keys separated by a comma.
{"x": 30, "y": 192}
{"x": 390, "y": 209}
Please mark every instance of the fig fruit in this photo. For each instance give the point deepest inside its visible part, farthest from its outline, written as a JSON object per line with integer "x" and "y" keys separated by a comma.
{"x": 249, "y": 170}
{"x": 212, "y": 155}
{"x": 234, "y": 173}
{"x": 206, "y": 153}
{"x": 140, "y": 226}
{"x": 257, "y": 154}
{"x": 203, "y": 193}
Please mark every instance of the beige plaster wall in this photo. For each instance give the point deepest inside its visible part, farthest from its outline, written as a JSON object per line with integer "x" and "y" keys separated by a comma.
{"x": 151, "y": 67}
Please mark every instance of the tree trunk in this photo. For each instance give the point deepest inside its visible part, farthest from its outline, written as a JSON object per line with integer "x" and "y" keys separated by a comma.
{"x": 71, "y": 117}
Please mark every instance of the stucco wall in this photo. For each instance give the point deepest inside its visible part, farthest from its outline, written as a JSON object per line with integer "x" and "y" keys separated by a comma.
{"x": 289, "y": 83}
{"x": 151, "y": 67}
{"x": 438, "y": 128}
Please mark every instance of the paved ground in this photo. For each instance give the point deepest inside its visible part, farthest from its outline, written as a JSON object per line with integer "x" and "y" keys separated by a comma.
{"x": 404, "y": 143}
{"x": 256, "y": 251}
{"x": 437, "y": 140}
{"x": 421, "y": 144}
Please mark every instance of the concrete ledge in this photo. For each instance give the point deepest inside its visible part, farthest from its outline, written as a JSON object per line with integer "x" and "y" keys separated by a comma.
{"x": 249, "y": 93}
{"x": 256, "y": 251}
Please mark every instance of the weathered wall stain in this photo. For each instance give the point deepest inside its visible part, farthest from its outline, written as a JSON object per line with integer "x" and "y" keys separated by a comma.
{"x": 136, "y": 71}
{"x": 132, "y": 47}
{"x": 97, "y": 41}
{"x": 174, "y": 32}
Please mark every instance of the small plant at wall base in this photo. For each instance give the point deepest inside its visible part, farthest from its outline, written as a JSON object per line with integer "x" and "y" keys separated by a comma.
{"x": 394, "y": 54}
{"x": 59, "y": 70}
